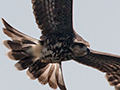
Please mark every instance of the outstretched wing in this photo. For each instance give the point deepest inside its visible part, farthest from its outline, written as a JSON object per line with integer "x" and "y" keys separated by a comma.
{"x": 22, "y": 47}
{"x": 53, "y": 16}
{"x": 108, "y": 63}
{"x": 27, "y": 51}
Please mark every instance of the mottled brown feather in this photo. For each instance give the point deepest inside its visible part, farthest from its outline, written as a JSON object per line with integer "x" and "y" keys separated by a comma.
{"x": 53, "y": 16}
{"x": 105, "y": 62}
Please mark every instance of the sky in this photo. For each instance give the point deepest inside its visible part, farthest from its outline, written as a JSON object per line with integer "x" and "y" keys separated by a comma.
{"x": 97, "y": 21}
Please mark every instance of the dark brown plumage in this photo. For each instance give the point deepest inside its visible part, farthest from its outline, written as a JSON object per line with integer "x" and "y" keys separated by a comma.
{"x": 59, "y": 42}
{"x": 57, "y": 14}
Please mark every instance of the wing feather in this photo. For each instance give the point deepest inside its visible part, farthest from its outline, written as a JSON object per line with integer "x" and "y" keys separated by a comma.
{"x": 105, "y": 62}
{"x": 27, "y": 51}
{"x": 15, "y": 34}
{"x": 50, "y": 73}
{"x": 22, "y": 47}
{"x": 53, "y": 16}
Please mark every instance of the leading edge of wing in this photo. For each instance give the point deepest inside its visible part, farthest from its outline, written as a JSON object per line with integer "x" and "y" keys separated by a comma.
{"x": 53, "y": 16}
{"x": 99, "y": 60}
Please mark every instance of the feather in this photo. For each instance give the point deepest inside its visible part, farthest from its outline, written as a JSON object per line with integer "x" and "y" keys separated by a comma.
{"x": 52, "y": 16}
{"x": 50, "y": 73}
{"x": 16, "y": 55}
{"x": 105, "y": 62}
{"x": 12, "y": 45}
{"x": 15, "y": 34}
{"x": 24, "y": 63}
{"x": 22, "y": 47}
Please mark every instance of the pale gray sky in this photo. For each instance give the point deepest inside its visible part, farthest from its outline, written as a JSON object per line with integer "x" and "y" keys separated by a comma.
{"x": 97, "y": 21}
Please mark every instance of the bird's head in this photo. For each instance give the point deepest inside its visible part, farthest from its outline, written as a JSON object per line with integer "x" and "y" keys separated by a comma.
{"x": 79, "y": 49}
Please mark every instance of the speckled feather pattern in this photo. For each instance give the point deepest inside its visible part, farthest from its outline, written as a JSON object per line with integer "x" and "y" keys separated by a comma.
{"x": 59, "y": 42}
{"x": 57, "y": 14}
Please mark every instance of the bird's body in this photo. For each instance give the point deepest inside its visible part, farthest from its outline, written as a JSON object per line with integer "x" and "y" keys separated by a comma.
{"x": 59, "y": 42}
{"x": 57, "y": 50}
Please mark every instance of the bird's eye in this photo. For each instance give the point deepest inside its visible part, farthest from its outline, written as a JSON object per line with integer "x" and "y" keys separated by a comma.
{"x": 78, "y": 44}
{"x": 81, "y": 44}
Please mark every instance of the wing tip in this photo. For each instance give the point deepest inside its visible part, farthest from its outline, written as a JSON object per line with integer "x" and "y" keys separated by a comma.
{"x": 6, "y": 31}
{"x": 5, "y": 43}
{"x": 30, "y": 75}
{"x": 52, "y": 84}
{"x": 18, "y": 66}
{"x": 43, "y": 80}
{"x": 3, "y": 20}
{"x": 10, "y": 55}
{"x": 8, "y": 26}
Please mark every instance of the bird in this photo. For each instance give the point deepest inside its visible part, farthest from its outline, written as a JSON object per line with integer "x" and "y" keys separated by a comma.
{"x": 59, "y": 42}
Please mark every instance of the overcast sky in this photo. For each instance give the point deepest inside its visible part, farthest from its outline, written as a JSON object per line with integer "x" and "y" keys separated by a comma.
{"x": 97, "y": 21}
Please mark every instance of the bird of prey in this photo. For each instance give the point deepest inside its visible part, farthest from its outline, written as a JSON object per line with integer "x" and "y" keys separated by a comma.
{"x": 59, "y": 42}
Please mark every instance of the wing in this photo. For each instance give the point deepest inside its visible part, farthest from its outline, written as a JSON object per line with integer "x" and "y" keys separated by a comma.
{"x": 50, "y": 73}
{"x": 15, "y": 34}
{"x": 53, "y": 16}
{"x": 21, "y": 47}
{"x": 108, "y": 63}
{"x": 27, "y": 51}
